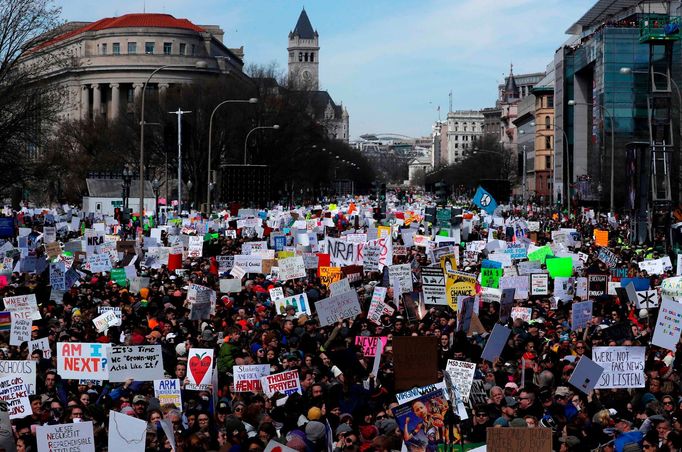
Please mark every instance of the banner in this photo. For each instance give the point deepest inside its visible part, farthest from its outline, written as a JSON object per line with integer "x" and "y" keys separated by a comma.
{"x": 339, "y": 307}
{"x": 285, "y": 383}
{"x": 668, "y": 324}
{"x": 623, "y": 367}
{"x": 168, "y": 391}
{"x": 82, "y": 361}
{"x": 408, "y": 396}
{"x": 248, "y": 378}
{"x": 299, "y": 302}
{"x": 140, "y": 362}
{"x": 77, "y": 437}
{"x": 368, "y": 344}
{"x": 200, "y": 369}
{"x": 13, "y": 391}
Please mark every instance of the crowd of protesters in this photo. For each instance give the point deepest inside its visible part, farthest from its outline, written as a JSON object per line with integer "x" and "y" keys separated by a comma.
{"x": 343, "y": 406}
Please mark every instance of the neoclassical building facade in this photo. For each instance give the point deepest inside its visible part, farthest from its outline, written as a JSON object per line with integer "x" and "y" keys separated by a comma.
{"x": 102, "y": 66}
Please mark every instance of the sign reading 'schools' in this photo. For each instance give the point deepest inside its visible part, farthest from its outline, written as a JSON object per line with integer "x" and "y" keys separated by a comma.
{"x": 82, "y": 361}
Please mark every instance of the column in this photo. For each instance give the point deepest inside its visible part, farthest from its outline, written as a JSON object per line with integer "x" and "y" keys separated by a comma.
{"x": 163, "y": 87}
{"x": 85, "y": 102}
{"x": 115, "y": 100}
{"x": 96, "y": 100}
{"x": 138, "y": 90}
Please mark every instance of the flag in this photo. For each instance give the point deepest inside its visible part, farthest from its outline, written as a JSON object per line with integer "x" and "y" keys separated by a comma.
{"x": 485, "y": 200}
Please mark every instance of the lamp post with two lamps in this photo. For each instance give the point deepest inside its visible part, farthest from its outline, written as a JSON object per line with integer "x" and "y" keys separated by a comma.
{"x": 198, "y": 65}
{"x": 608, "y": 113}
{"x": 209, "y": 187}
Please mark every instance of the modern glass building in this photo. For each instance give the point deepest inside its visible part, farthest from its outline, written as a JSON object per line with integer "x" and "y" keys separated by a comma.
{"x": 595, "y": 99}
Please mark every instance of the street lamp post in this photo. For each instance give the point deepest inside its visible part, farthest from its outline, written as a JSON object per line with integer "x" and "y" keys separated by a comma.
{"x": 198, "y": 65}
{"x": 209, "y": 185}
{"x": 127, "y": 179}
{"x": 610, "y": 116}
{"x": 246, "y": 140}
{"x": 189, "y": 194}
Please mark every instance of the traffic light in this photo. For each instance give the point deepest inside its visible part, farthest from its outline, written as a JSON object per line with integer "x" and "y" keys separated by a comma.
{"x": 441, "y": 193}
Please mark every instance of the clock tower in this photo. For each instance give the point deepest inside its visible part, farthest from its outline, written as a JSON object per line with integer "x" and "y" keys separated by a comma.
{"x": 304, "y": 51}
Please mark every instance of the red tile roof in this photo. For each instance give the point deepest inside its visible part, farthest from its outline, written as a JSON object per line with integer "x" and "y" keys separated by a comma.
{"x": 150, "y": 20}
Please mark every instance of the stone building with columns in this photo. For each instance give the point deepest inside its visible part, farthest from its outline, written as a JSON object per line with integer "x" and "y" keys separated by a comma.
{"x": 104, "y": 64}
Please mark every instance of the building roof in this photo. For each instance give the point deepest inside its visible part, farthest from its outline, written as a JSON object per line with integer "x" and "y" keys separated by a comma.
{"x": 144, "y": 20}
{"x": 602, "y": 10}
{"x": 304, "y": 28}
{"x": 319, "y": 101}
{"x": 111, "y": 188}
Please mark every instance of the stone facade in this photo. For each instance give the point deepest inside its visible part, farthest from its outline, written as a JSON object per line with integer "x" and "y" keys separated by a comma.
{"x": 465, "y": 128}
{"x": 106, "y": 63}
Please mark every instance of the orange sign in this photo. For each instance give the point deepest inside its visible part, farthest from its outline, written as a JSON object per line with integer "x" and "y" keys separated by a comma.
{"x": 601, "y": 238}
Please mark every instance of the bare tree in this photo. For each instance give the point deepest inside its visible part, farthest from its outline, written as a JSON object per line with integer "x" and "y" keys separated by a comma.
{"x": 26, "y": 96}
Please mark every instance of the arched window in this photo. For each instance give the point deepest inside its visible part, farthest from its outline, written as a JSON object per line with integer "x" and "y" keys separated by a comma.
{"x": 312, "y": 57}
{"x": 548, "y": 142}
{"x": 305, "y": 56}
{"x": 300, "y": 56}
{"x": 548, "y": 122}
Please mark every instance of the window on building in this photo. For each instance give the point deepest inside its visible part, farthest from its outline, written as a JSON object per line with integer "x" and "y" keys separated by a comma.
{"x": 548, "y": 162}
{"x": 300, "y": 56}
{"x": 550, "y": 101}
{"x": 312, "y": 57}
{"x": 103, "y": 49}
{"x": 183, "y": 48}
{"x": 291, "y": 55}
{"x": 132, "y": 48}
{"x": 456, "y": 145}
{"x": 548, "y": 142}
{"x": 149, "y": 48}
{"x": 167, "y": 48}
{"x": 194, "y": 50}
{"x": 116, "y": 48}
{"x": 548, "y": 122}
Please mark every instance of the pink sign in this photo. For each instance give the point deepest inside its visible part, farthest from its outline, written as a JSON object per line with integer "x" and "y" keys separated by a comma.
{"x": 369, "y": 344}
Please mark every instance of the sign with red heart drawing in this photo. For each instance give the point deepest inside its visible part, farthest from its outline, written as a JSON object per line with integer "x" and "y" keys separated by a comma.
{"x": 200, "y": 369}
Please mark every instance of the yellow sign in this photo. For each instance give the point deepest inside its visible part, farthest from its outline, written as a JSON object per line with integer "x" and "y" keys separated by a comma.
{"x": 383, "y": 232}
{"x": 330, "y": 275}
{"x": 285, "y": 254}
{"x": 459, "y": 283}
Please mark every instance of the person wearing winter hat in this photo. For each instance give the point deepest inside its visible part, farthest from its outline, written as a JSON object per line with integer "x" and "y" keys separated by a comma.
{"x": 315, "y": 432}
{"x": 314, "y": 414}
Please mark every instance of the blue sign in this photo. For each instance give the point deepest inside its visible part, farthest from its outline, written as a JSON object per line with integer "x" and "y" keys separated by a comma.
{"x": 6, "y": 227}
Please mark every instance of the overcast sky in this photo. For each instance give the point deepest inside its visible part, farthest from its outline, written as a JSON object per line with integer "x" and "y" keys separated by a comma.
{"x": 391, "y": 62}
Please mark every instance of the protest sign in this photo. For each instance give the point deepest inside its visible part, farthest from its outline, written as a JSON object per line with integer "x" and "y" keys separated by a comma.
{"x": 495, "y": 343}
{"x": 21, "y": 328}
{"x": 225, "y": 263}
{"x": 168, "y": 391}
{"x": 540, "y": 254}
{"x": 27, "y": 370}
{"x": 342, "y": 252}
{"x": 299, "y": 302}
{"x": 76, "y": 437}
{"x": 41, "y": 344}
{"x": 371, "y": 256}
{"x": 560, "y": 267}
{"x": 418, "y": 427}
{"x": 459, "y": 283}
{"x": 404, "y": 273}
{"x": 195, "y": 246}
{"x": 104, "y": 321}
{"x": 415, "y": 361}
{"x": 329, "y": 275}
{"x": 57, "y": 273}
{"x": 339, "y": 287}
{"x": 14, "y": 392}
{"x": 377, "y": 307}
{"x": 586, "y": 375}
{"x": 415, "y": 393}
{"x": 520, "y": 284}
{"x": 276, "y": 293}
{"x": 506, "y": 304}
{"x": 291, "y": 268}
{"x": 539, "y": 284}
{"x": 490, "y": 277}
{"x": 97, "y": 263}
{"x": 433, "y": 286}
{"x": 623, "y": 367}
{"x": 522, "y": 313}
{"x": 462, "y": 375}
{"x": 23, "y": 303}
{"x": 285, "y": 383}
{"x": 528, "y": 267}
{"x": 581, "y": 315}
{"x": 339, "y": 307}
{"x": 248, "y": 263}
{"x": 647, "y": 299}
{"x": 252, "y": 247}
{"x": 248, "y": 378}
{"x": 564, "y": 288}
{"x": 601, "y": 238}
{"x": 656, "y": 266}
{"x": 668, "y": 324}
{"x": 200, "y": 370}
{"x": 608, "y": 257}
{"x": 596, "y": 285}
{"x": 519, "y": 439}
{"x": 140, "y": 362}
{"x": 516, "y": 250}
{"x": 126, "y": 433}
{"x": 230, "y": 285}
{"x": 368, "y": 344}
{"x": 82, "y": 360}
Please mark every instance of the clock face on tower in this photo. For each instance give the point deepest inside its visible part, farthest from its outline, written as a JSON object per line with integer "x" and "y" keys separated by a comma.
{"x": 306, "y": 76}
